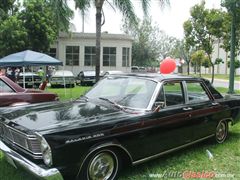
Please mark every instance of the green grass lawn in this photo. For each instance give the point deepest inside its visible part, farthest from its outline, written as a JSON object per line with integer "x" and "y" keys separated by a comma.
{"x": 69, "y": 93}
{"x": 226, "y": 156}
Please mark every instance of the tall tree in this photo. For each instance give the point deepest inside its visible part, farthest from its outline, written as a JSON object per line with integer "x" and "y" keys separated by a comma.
{"x": 200, "y": 32}
{"x": 13, "y": 36}
{"x": 198, "y": 58}
{"x": 40, "y": 25}
{"x": 125, "y": 7}
{"x": 7, "y": 8}
{"x": 33, "y": 25}
{"x": 150, "y": 44}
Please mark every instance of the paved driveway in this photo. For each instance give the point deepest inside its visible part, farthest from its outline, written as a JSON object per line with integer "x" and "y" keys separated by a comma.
{"x": 225, "y": 83}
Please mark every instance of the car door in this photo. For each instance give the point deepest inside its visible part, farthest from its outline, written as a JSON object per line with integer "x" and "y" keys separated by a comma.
{"x": 168, "y": 126}
{"x": 202, "y": 108}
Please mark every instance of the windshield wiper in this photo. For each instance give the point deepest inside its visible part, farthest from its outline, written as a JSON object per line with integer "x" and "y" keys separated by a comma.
{"x": 112, "y": 102}
{"x": 83, "y": 97}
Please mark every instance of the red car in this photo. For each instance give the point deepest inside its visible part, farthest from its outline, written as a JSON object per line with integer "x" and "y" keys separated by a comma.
{"x": 11, "y": 94}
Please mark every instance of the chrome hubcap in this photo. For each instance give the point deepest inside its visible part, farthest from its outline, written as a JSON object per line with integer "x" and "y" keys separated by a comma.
{"x": 221, "y": 131}
{"x": 101, "y": 167}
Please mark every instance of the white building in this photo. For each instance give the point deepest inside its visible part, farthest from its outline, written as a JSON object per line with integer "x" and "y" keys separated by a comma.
{"x": 77, "y": 51}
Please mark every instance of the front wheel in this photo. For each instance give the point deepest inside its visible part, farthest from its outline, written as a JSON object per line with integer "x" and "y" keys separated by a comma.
{"x": 221, "y": 131}
{"x": 101, "y": 165}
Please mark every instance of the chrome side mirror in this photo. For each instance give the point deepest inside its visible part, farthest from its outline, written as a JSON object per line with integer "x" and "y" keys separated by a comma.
{"x": 158, "y": 105}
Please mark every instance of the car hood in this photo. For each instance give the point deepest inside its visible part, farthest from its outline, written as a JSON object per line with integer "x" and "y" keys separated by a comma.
{"x": 57, "y": 116}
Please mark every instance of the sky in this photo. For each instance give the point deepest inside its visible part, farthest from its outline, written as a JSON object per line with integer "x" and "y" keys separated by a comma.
{"x": 170, "y": 19}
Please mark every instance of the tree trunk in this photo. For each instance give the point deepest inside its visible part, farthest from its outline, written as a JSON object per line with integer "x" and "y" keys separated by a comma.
{"x": 218, "y": 66}
{"x": 226, "y": 63}
{"x": 195, "y": 68}
{"x": 212, "y": 64}
{"x": 200, "y": 70}
{"x": 188, "y": 67}
{"x": 98, "y": 4}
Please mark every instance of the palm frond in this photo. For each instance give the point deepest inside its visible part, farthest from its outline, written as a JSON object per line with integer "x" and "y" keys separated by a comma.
{"x": 164, "y": 3}
{"x": 127, "y": 9}
{"x": 62, "y": 13}
{"x": 83, "y": 5}
{"x": 145, "y": 6}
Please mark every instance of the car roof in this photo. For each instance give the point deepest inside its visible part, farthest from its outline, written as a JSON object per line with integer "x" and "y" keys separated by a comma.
{"x": 63, "y": 73}
{"x": 28, "y": 74}
{"x": 12, "y": 84}
{"x": 160, "y": 77}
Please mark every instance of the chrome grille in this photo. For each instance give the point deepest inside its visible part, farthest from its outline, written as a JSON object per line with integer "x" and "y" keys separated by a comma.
{"x": 6, "y": 133}
{"x": 34, "y": 145}
{"x": 19, "y": 139}
{"x": 26, "y": 142}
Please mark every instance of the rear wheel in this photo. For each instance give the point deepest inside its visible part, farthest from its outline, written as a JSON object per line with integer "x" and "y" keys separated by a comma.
{"x": 101, "y": 165}
{"x": 221, "y": 131}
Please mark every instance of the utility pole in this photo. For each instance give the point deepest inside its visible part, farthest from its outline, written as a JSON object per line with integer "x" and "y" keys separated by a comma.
{"x": 232, "y": 6}
{"x": 82, "y": 21}
{"x": 233, "y": 44}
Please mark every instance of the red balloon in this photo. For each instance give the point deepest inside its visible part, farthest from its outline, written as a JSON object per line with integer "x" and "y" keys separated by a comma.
{"x": 167, "y": 66}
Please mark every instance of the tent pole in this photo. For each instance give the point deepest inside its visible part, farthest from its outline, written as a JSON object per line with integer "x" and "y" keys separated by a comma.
{"x": 32, "y": 77}
{"x": 64, "y": 82}
{"x": 24, "y": 77}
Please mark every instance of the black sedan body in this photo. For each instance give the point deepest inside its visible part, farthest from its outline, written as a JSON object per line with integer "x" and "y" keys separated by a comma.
{"x": 123, "y": 119}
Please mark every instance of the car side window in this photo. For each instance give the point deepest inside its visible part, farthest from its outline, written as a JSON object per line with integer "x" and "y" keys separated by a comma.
{"x": 171, "y": 94}
{"x": 196, "y": 92}
{"x": 4, "y": 87}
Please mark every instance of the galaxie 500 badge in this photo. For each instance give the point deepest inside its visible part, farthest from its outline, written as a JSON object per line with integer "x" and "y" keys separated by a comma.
{"x": 83, "y": 138}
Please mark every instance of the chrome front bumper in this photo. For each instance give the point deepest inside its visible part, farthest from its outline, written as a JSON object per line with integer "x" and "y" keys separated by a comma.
{"x": 18, "y": 160}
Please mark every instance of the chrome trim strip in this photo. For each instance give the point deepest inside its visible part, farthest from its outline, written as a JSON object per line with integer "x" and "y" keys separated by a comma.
{"x": 170, "y": 150}
{"x": 34, "y": 169}
{"x": 154, "y": 96}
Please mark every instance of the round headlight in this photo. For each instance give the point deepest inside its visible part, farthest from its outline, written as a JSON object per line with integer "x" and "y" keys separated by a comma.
{"x": 46, "y": 150}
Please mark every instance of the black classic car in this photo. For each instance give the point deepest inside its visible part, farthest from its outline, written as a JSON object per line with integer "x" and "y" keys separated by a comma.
{"x": 124, "y": 119}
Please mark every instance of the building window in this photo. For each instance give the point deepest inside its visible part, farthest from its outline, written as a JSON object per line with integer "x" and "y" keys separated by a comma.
{"x": 90, "y": 56}
{"x": 109, "y": 56}
{"x": 53, "y": 52}
{"x": 72, "y": 55}
{"x": 125, "y": 57}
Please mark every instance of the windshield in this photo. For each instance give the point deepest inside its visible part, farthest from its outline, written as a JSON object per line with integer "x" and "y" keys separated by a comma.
{"x": 125, "y": 91}
{"x": 89, "y": 73}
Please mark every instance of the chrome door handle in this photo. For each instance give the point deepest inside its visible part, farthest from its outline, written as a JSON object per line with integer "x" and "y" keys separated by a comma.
{"x": 187, "y": 108}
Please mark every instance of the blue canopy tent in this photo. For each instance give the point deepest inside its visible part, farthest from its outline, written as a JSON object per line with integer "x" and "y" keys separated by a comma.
{"x": 28, "y": 58}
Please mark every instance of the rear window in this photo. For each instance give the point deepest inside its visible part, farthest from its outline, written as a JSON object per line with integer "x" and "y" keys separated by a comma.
{"x": 196, "y": 92}
{"x": 214, "y": 92}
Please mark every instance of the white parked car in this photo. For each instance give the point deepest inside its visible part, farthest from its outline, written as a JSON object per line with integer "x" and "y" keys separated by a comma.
{"x": 112, "y": 72}
{"x": 62, "y": 78}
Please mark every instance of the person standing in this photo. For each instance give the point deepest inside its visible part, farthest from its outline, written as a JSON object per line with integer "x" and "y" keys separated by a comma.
{"x": 40, "y": 73}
